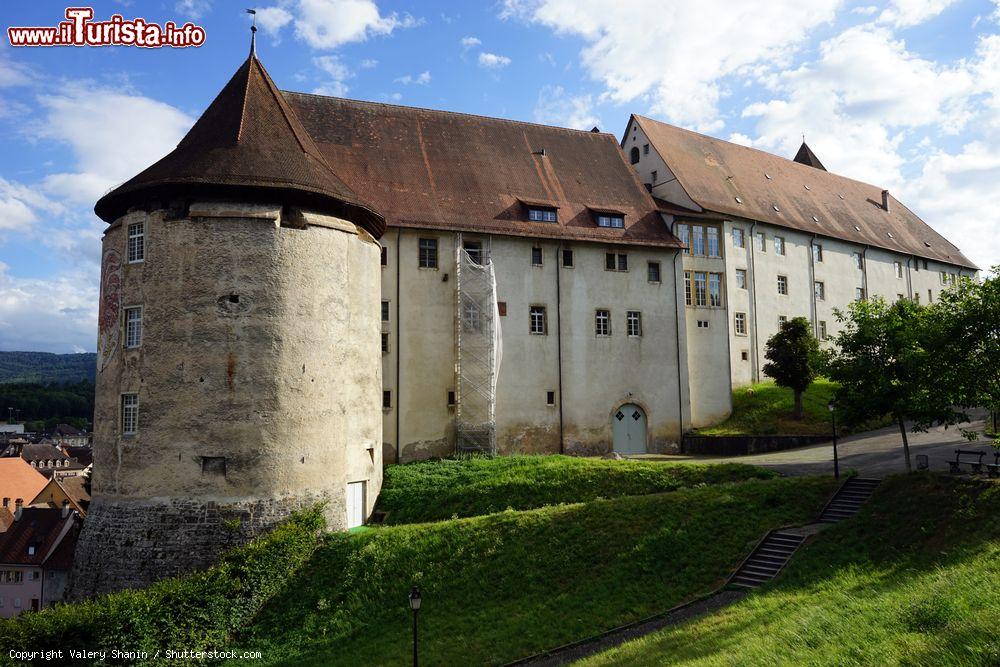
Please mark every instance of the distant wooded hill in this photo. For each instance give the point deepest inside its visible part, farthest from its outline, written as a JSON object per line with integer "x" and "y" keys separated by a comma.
{"x": 46, "y": 367}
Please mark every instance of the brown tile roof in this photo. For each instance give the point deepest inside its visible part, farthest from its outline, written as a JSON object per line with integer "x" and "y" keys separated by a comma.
{"x": 806, "y": 156}
{"x": 714, "y": 172}
{"x": 6, "y": 518}
{"x": 19, "y": 480}
{"x": 41, "y": 527}
{"x": 247, "y": 144}
{"x": 457, "y": 172}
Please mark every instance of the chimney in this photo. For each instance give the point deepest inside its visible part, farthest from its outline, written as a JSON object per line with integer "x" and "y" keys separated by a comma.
{"x": 885, "y": 200}
{"x": 18, "y": 509}
{"x": 65, "y": 509}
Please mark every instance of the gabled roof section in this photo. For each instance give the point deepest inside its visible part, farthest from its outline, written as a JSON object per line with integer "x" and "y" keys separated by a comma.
{"x": 806, "y": 156}
{"x": 250, "y": 145}
{"x": 784, "y": 192}
{"x": 19, "y": 480}
{"x": 457, "y": 172}
{"x": 35, "y": 536}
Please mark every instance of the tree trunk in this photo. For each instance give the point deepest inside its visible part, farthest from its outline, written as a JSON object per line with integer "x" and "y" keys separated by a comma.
{"x": 799, "y": 413}
{"x": 906, "y": 445}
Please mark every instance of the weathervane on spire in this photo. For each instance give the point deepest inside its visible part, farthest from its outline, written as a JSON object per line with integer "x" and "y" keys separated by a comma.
{"x": 253, "y": 32}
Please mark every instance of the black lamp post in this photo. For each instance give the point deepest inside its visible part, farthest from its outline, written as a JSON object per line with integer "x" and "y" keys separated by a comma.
{"x": 833, "y": 421}
{"x": 415, "y": 606}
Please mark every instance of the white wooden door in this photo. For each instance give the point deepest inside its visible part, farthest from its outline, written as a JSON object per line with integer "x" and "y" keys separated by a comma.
{"x": 355, "y": 504}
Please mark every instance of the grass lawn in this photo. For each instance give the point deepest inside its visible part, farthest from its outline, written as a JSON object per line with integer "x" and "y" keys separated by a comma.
{"x": 506, "y": 585}
{"x": 447, "y": 489}
{"x": 913, "y": 580}
{"x": 766, "y": 409}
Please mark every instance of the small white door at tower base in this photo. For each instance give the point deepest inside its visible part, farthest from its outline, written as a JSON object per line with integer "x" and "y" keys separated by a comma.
{"x": 628, "y": 428}
{"x": 355, "y": 504}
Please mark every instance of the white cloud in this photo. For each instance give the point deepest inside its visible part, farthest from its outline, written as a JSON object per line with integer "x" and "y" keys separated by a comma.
{"x": 469, "y": 42}
{"x": 421, "y": 79}
{"x": 113, "y": 136}
{"x": 193, "y": 8}
{"x": 906, "y": 13}
{"x": 58, "y": 314}
{"x": 272, "y": 19}
{"x": 369, "y": 63}
{"x": 338, "y": 73}
{"x": 672, "y": 55}
{"x": 327, "y": 24}
{"x": 20, "y": 205}
{"x": 555, "y": 107}
{"x": 493, "y": 61}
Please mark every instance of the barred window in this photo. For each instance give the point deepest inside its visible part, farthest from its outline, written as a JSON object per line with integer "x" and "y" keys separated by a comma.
{"x": 136, "y": 242}
{"x": 130, "y": 413}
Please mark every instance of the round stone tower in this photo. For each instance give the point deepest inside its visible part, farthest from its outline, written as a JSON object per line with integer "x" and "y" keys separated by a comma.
{"x": 239, "y": 359}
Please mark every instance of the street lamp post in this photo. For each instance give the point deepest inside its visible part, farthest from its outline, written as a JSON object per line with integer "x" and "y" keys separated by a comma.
{"x": 415, "y": 607}
{"x": 833, "y": 421}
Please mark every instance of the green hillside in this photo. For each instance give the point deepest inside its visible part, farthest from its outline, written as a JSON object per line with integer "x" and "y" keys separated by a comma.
{"x": 45, "y": 367}
{"x": 913, "y": 580}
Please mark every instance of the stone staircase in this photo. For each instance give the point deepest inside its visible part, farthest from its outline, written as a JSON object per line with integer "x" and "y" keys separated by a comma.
{"x": 849, "y": 499}
{"x": 766, "y": 561}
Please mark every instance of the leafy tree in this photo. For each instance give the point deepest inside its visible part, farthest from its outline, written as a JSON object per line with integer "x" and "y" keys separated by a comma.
{"x": 882, "y": 362}
{"x": 964, "y": 330}
{"x": 792, "y": 358}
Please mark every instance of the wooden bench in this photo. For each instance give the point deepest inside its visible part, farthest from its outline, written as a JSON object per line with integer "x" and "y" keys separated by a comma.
{"x": 977, "y": 465}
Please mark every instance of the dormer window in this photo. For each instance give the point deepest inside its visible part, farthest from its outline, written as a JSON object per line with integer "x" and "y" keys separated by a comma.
{"x": 615, "y": 220}
{"x": 536, "y": 214}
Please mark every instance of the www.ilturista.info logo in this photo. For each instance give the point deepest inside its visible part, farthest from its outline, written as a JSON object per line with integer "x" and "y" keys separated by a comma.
{"x": 80, "y": 30}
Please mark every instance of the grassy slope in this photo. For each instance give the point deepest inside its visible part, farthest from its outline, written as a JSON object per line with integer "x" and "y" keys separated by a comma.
{"x": 766, "y": 409}
{"x": 470, "y": 487}
{"x": 914, "y": 580}
{"x": 506, "y": 585}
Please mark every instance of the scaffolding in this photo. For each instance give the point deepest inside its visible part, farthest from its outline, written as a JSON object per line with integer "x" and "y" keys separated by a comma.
{"x": 477, "y": 348}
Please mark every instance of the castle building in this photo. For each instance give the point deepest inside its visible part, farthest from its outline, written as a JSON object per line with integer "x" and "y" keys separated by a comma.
{"x": 778, "y": 239}
{"x": 239, "y": 373}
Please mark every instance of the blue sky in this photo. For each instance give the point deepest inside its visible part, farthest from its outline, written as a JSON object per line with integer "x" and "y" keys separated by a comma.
{"x": 901, "y": 93}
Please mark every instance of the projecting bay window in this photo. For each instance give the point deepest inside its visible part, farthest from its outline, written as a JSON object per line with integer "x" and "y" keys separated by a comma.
{"x": 133, "y": 327}
{"x": 537, "y": 321}
{"x": 602, "y": 322}
{"x": 428, "y": 258}
{"x": 136, "y": 242}
{"x": 740, "y": 323}
{"x": 712, "y": 241}
{"x": 130, "y": 414}
{"x": 703, "y": 289}
{"x": 697, "y": 240}
{"x": 633, "y": 323}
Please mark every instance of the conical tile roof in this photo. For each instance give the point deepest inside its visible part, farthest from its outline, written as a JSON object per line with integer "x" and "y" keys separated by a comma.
{"x": 248, "y": 145}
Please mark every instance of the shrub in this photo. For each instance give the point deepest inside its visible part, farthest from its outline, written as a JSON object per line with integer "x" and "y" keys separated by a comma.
{"x": 195, "y": 612}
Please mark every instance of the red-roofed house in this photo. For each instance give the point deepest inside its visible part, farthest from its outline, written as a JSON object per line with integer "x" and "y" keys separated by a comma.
{"x": 36, "y": 555}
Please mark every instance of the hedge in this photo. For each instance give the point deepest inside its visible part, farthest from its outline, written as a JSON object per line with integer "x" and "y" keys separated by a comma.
{"x": 195, "y": 612}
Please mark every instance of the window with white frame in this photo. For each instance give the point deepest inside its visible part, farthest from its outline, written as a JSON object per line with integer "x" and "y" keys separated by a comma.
{"x": 428, "y": 258}
{"x": 702, "y": 324}
{"x": 688, "y": 292}
{"x": 779, "y": 245}
{"x": 712, "y": 237}
{"x": 817, "y": 252}
{"x": 783, "y": 285}
{"x": 602, "y": 322}
{"x": 542, "y": 215}
{"x": 898, "y": 267}
{"x": 684, "y": 234}
{"x": 740, "y": 323}
{"x": 136, "y": 242}
{"x": 612, "y": 220}
{"x": 133, "y": 326}
{"x": 633, "y": 323}
{"x": 739, "y": 241}
{"x": 130, "y": 413}
{"x": 761, "y": 242}
{"x": 472, "y": 320}
{"x": 822, "y": 330}
{"x": 715, "y": 290}
{"x": 741, "y": 278}
{"x": 819, "y": 289}
{"x": 859, "y": 293}
{"x": 537, "y": 320}
{"x": 781, "y": 320}
{"x": 856, "y": 256}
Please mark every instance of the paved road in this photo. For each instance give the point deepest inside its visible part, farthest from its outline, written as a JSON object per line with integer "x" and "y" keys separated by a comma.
{"x": 872, "y": 454}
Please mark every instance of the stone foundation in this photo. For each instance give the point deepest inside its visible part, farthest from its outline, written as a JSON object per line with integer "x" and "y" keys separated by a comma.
{"x": 130, "y": 543}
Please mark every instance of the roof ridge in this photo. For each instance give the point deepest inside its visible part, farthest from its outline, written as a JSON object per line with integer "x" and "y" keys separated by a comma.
{"x": 760, "y": 150}
{"x": 452, "y": 113}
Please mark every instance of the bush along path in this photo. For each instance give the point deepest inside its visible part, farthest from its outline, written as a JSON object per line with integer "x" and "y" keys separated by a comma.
{"x": 763, "y": 564}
